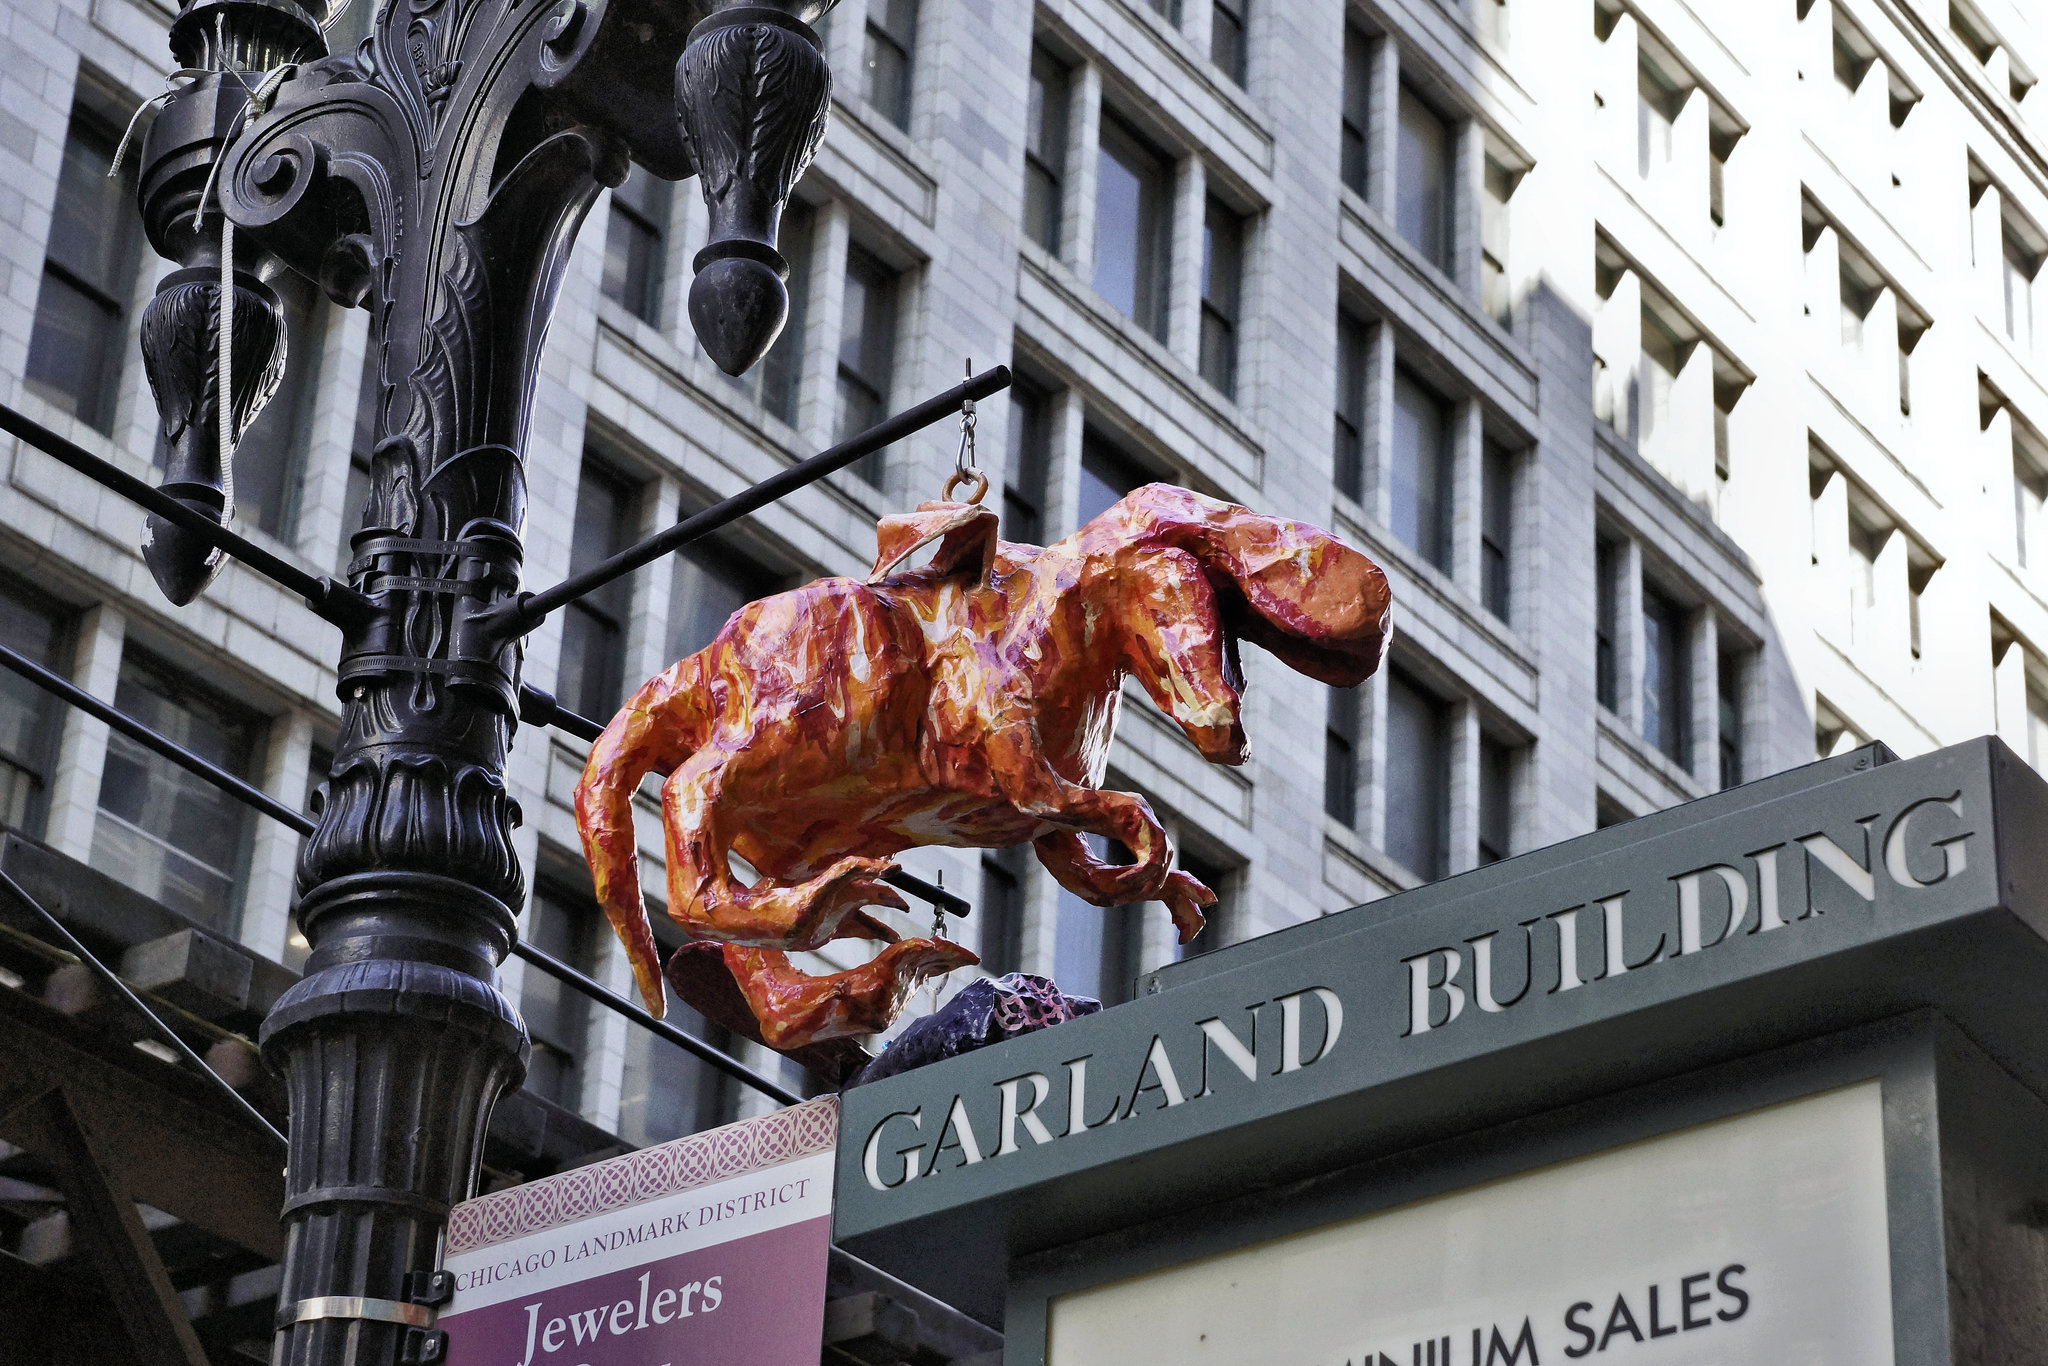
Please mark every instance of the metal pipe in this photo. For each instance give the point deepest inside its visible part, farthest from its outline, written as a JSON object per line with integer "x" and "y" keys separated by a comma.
{"x": 528, "y": 610}
{"x": 731, "y": 1066}
{"x": 333, "y": 602}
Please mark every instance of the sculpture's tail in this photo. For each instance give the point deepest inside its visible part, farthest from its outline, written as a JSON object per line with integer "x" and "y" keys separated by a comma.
{"x": 656, "y": 729}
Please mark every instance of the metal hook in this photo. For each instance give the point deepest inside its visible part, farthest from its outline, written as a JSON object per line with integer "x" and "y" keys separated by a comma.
{"x": 965, "y": 466}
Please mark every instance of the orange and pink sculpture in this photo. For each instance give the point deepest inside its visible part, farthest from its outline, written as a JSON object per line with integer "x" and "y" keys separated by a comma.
{"x": 969, "y": 702}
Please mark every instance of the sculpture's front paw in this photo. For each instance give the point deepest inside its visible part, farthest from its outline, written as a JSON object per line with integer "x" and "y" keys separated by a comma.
{"x": 1184, "y": 897}
{"x": 843, "y": 890}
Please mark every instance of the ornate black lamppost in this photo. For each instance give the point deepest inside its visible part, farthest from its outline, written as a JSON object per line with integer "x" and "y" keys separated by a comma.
{"x": 437, "y": 176}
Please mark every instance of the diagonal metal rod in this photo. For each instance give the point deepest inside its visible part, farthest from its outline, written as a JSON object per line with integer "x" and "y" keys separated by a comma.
{"x": 731, "y": 1066}
{"x": 528, "y": 610}
{"x": 334, "y": 602}
{"x": 113, "y": 979}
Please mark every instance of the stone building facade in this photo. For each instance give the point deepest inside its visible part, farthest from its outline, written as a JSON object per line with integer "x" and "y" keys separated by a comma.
{"x": 1685, "y": 375}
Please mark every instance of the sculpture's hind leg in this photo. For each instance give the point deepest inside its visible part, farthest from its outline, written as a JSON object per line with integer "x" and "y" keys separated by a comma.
{"x": 1067, "y": 857}
{"x": 795, "y": 1008}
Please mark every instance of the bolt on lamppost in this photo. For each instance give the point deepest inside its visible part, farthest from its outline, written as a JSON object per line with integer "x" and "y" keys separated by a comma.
{"x": 436, "y": 176}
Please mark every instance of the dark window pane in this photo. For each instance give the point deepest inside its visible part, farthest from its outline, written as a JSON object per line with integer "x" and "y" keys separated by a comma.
{"x": 1496, "y": 530}
{"x": 1607, "y": 624}
{"x": 1423, "y": 180}
{"x": 77, "y": 346}
{"x": 562, "y": 924}
{"x": 1222, "y": 281}
{"x": 1226, "y": 39}
{"x": 867, "y": 349}
{"x": 633, "y": 249}
{"x": 1667, "y": 690}
{"x": 29, "y": 717}
{"x": 74, "y": 359}
{"x": 1220, "y": 880}
{"x": 162, "y": 830}
{"x": 1357, "y": 102}
{"x": 1418, "y": 780}
{"x": 1496, "y": 793}
{"x": 712, "y": 581}
{"x": 270, "y": 462}
{"x": 1731, "y": 719}
{"x": 776, "y": 382}
{"x": 891, "y": 39}
{"x": 592, "y": 672}
{"x": 1340, "y": 758}
{"x": 1420, "y": 471}
{"x": 1131, "y": 222}
{"x": 1107, "y": 474}
{"x": 1348, "y": 453}
{"x": 1003, "y": 880}
{"x": 1045, "y": 150}
{"x": 1024, "y": 486}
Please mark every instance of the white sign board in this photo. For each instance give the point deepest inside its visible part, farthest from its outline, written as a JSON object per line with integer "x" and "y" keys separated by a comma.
{"x": 1758, "y": 1238}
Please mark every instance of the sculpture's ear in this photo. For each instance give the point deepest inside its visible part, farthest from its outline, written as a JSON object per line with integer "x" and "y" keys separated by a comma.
{"x": 970, "y": 538}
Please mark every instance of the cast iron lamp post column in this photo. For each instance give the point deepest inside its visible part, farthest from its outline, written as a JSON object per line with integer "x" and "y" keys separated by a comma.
{"x": 438, "y": 177}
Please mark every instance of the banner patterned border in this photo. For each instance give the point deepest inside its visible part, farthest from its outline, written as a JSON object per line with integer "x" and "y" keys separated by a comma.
{"x": 695, "y": 1160}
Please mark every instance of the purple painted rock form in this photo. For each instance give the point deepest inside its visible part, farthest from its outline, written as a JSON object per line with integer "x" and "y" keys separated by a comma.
{"x": 986, "y": 1011}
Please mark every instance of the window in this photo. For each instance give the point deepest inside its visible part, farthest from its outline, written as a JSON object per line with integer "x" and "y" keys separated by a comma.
{"x": 1045, "y": 150}
{"x": 1418, "y": 779}
{"x": 1663, "y": 355}
{"x": 270, "y": 462}
{"x": 563, "y": 925}
{"x": 1222, "y": 281}
{"x": 1004, "y": 874}
{"x": 1340, "y": 758}
{"x": 1107, "y": 474}
{"x": 1420, "y": 471}
{"x": 867, "y": 353}
{"x": 1667, "y": 682}
{"x": 712, "y": 580}
{"x": 1849, "y": 63}
{"x": 1220, "y": 879}
{"x": 633, "y": 249}
{"x": 1357, "y": 109}
{"x": 1866, "y": 545}
{"x": 775, "y": 383}
{"x": 1422, "y": 181}
{"x": 1658, "y": 102}
{"x": 1097, "y": 950}
{"x": 1857, "y": 301}
{"x": 162, "y": 830}
{"x": 2029, "y": 494}
{"x": 1985, "y": 44}
{"x": 665, "y": 1091}
{"x": 29, "y": 717}
{"x": 1169, "y": 10}
{"x": 1493, "y": 237}
{"x": 1131, "y": 225}
{"x": 1348, "y": 453}
{"x": 2016, "y": 277}
{"x": 355, "y": 496}
{"x": 1726, "y": 395}
{"x": 1024, "y": 479}
{"x": 1720, "y": 146}
{"x": 1729, "y": 687}
{"x": 1496, "y": 800}
{"x": 591, "y": 678}
{"x": 1607, "y": 562}
{"x": 891, "y": 39}
{"x": 1227, "y": 38}
{"x": 79, "y": 340}
{"x": 1496, "y": 529}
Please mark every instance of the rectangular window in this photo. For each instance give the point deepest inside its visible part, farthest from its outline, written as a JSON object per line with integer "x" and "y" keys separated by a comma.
{"x": 1340, "y": 758}
{"x": 867, "y": 353}
{"x": 1348, "y": 446}
{"x": 1730, "y": 687}
{"x": 776, "y": 382}
{"x": 1607, "y": 624}
{"x": 1029, "y": 457}
{"x": 634, "y": 253}
{"x": 1045, "y": 150}
{"x": 1496, "y": 530}
{"x": 1493, "y": 238}
{"x": 1132, "y": 219}
{"x": 562, "y": 924}
{"x": 591, "y": 678}
{"x": 1097, "y": 950}
{"x": 665, "y": 1091}
{"x": 1004, "y": 874}
{"x": 162, "y": 830}
{"x": 1357, "y": 107}
{"x": 891, "y": 39}
{"x": 1422, "y": 181}
{"x": 1421, "y": 471}
{"x": 1658, "y": 101}
{"x": 1227, "y": 48}
{"x": 1222, "y": 285}
{"x": 270, "y": 463}
{"x": 1107, "y": 474}
{"x": 1169, "y": 10}
{"x": 1663, "y": 355}
{"x": 1496, "y": 800}
{"x": 1223, "y": 881}
{"x": 30, "y": 718}
{"x": 712, "y": 580}
{"x": 2017, "y": 269}
{"x": 80, "y": 336}
{"x": 1866, "y": 544}
{"x": 1667, "y": 682}
{"x": 1418, "y": 780}
{"x": 2029, "y": 494}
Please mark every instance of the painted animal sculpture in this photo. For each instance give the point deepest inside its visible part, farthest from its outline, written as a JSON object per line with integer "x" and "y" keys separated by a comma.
{"x": 969, "y": 703}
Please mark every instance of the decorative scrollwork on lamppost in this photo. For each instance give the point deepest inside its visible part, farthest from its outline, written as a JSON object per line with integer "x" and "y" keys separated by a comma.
{"x": 438, "y": 177}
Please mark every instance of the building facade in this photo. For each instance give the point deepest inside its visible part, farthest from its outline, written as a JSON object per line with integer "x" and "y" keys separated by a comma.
{"x": 1684, "y": 375}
